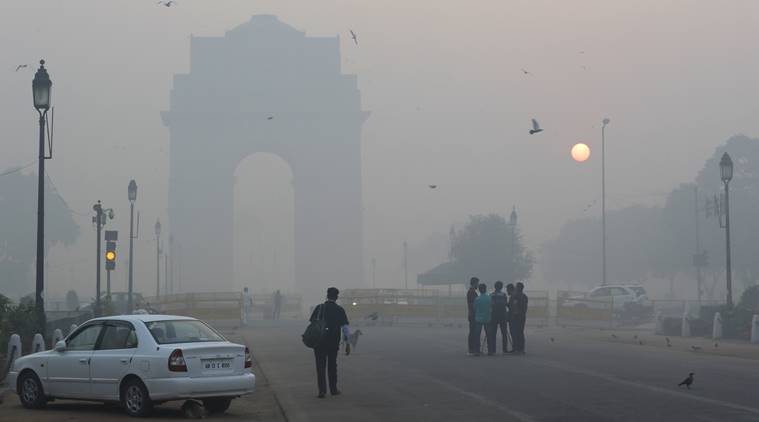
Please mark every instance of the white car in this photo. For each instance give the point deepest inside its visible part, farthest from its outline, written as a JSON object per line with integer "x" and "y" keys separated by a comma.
{"x": 139, "y": 361}
{"x": 620, "y": 297}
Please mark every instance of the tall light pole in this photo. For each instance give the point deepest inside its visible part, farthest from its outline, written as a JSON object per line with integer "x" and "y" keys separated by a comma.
{"x": 726, "y": 174}
{"x": 405, "y": 264}
{"x": 132, "y": 195}
{"x": 513, "y": 224}
{"x": 41, "y": 87}
{"x": 157, "y": 258}
{"x": 99, "y": 220}
{"x": 603, "y": 200}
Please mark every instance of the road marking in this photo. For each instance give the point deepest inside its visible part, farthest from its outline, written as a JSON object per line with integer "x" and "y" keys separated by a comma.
{"x": 511, "y": 412}
{"x": 639, "y": 385}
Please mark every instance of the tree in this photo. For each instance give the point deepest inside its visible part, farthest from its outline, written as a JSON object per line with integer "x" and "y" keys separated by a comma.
{"x": 18, "y": 200}
{"x": 486, "y": 248}
{"x": 72, "y": 300}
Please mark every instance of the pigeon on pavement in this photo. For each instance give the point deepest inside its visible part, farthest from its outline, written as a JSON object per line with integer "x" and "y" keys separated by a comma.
{"x": 687, "y": 381}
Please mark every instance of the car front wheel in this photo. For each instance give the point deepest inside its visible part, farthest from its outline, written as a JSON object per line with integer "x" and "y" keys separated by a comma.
{"x": 30, "y": 391}
{"x": 135, "y": 399}
{"x": 217, "y": 404}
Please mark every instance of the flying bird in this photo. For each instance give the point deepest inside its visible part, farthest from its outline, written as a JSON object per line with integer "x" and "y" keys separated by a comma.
{"x": 21, "y": 66}
{"x": 535, "y": 127}
{"x": 353, "y": 35}
{"x": 526, "y": 72}
{"x": 270, "y": 118}
{"x": 432, "y": 186}
{"x": 695, "y": 348}
{"x": 614, "y": 336}
{"x": 687, "y": 381}
{"x": 166, "y": 3}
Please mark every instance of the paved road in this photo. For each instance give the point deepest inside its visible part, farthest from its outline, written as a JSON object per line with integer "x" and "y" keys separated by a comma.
{"x": 407, "y": 374}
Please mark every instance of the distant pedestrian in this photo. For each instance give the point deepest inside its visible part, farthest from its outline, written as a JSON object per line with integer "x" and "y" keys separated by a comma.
{"x": 247, "y": 306}
{"x": 499, "y": 316}
{"x": 483, "y": 308}
{"x": 471, "y": 295}
{"x": 518, "y": 317}
{"x": 326, "y": 352}
{"x": 277, "y": 300}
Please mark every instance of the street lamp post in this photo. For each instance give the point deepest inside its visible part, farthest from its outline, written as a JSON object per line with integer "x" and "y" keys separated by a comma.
{"x": 132, "y": 195}
{"x": 41, "y": 86}
{"x": 603, "y": 200}
{"x": 513, "y": 224}
{"x": 157, "y": 258}
{"x": 726, "y": 174}
{"x": 405, "y": 264}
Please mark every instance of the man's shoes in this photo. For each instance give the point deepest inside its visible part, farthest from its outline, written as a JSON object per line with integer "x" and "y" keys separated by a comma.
{"x": 320, "y": 396}
{"x": 336, "y": 393}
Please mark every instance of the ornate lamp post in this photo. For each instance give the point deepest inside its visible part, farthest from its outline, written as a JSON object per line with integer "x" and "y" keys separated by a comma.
{"x": 726, "y": 174}
{"x": 41, "y": 87}
{"x": 132, "y": 194}
{"x": 157, "y": 258}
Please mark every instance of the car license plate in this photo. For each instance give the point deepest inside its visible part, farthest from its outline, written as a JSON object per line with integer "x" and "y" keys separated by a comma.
{"x": 213, "y": 364}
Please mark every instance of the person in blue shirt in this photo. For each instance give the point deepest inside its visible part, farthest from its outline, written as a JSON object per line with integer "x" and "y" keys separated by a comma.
{"x": 483, "y": 308}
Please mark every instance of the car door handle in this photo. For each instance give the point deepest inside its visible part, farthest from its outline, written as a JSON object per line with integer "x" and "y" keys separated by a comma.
{"x": 124, "y": 361}
{"x": 83, "y": 360}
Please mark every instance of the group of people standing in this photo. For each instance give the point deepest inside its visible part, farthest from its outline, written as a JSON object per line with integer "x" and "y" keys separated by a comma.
{"x": 490, "y": 312}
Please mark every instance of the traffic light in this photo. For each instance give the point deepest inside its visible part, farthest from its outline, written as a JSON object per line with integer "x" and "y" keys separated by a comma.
{"x": 110, "y": 256}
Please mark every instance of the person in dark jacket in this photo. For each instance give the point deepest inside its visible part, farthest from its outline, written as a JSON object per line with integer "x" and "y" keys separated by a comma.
{"x": 471, "y": 295}
{"x": 326, "y": 353}
{"x": 498, "y": 318}
{"x": 518, "y": 317}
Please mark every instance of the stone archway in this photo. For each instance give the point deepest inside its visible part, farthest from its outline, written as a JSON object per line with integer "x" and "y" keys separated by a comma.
{"x": 266, "y": 87}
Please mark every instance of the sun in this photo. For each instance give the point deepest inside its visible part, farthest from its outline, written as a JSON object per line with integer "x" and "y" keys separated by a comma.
{"x": 580, "y": 152}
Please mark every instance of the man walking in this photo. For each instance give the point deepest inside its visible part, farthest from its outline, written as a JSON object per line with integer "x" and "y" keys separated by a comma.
{"x": 326, "y": 352}
{"x": 498, "y": 316}
{"x": 277, "y": 300}
{"x": 518, "y": 317}
{"x": 471, "y": 295}
{"x": 483, "y": 309}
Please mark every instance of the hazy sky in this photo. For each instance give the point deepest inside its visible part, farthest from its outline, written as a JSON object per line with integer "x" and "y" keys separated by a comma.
{"x": 442, "y": 79}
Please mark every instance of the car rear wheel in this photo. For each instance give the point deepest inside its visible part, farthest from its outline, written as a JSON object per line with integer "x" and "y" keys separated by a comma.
{"x": 30, "y": 391}
{"x": 217, "y": 404}
{"x": 135, "y": 398}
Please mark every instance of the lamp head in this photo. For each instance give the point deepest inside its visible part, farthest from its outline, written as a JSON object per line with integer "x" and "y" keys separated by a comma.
{"x": 726, "y": 168}
{"x": 132, "y": 190}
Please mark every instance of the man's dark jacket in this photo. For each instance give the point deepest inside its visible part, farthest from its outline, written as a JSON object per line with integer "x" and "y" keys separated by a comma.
{"x": 334, "y": 317}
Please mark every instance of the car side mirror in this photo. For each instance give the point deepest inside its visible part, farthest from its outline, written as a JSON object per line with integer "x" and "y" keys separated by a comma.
{"x": 60, "y": 346}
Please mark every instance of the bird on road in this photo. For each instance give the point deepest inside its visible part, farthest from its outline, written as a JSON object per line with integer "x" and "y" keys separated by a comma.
{"x": 551, "y": 339}
{"x": 640, "y": 342}
{"x": 535, "y": 127}
{"x": 669, "y": 344}
{"x": 353, "y": 35}
{"x": 635, "y": 336}
{"x": 166, "y": 3}
{"x": 432, "y": 186}
{"x": 21, "y": 66}
{"x": 687, "y": 381}
{"x": 695, "y": 348}
{"x": 373, "y": 316}
{"x": 526, "y": 72}
{"x": 716, "y": 345}
{"x": 614, "y": 336}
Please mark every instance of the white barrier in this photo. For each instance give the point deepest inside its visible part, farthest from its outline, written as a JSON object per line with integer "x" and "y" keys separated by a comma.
{"x": 755, "y": 329}
{"x": 14, "y": 351}
{"x": 717, "y": 326}
{"x": 685, "y": 331}
{"x": 38, "y": 343}
{"x": 57, "y": 336}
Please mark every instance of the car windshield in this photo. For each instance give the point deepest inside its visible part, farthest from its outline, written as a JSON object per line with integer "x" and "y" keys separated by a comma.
{"x": 182, "y": 331}
{"x": 638, "y": 290}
